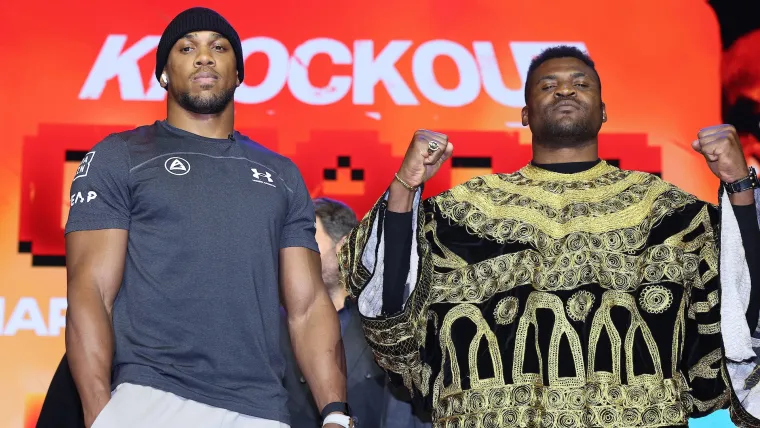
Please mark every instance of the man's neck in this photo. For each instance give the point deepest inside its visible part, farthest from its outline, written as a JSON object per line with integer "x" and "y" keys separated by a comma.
{"x": 205, "y": 125}
{"x": 549, "y": 154}
{"x": 338, "y": 296}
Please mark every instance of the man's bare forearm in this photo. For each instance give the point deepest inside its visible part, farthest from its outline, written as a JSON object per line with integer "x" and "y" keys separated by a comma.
{"x": 318, "y": 348}
{"x": 89, "y": 348}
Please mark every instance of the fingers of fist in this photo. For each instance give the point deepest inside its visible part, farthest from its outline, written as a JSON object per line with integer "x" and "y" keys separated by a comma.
{"x": 433, "y": 146}
{"x": 715, "y": 141}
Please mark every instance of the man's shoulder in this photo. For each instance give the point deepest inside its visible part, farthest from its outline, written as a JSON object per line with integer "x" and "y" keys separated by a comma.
{"x": 136, "y": 135}
{"x": 266, "y": 155}
{"x": 669, "y": 189}
{"x": 123, "y": 143}
{"x": 123, "y": 146}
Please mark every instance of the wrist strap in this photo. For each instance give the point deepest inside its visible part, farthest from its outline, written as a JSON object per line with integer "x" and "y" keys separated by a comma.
{"x": 335, "y": 407}
{"x": 747, "y": 183}
{"x": 342, "y": 420}
{"x": 404, "y": 183}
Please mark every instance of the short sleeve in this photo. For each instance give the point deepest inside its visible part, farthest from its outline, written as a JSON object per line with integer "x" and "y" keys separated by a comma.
{"x": 100, "y": 194}
{"x": 300, "y": 222}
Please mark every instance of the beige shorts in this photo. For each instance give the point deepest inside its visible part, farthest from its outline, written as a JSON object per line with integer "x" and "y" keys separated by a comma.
{"x": 133, "y": 406}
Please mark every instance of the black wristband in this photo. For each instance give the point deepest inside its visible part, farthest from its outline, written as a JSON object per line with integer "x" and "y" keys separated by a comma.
{"x": 336, "y": 407}
{"x": 747, "y": 183}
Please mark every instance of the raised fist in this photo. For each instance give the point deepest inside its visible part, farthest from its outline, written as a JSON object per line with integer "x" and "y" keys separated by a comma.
{"x": 721, "y": 148}
{"x": 425, "y": 155}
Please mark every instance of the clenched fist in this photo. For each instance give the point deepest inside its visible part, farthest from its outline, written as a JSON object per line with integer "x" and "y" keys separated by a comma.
{"x": 721, "y": 147}
{"x": 424, "y": 157}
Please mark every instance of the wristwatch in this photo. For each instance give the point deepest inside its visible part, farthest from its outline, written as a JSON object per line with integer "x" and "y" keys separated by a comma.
{"x": 746, "y": 183}
{"x": 330, "y": 417}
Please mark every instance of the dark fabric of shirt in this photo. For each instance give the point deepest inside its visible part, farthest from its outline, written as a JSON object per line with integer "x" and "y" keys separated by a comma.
{"x": 398, "y": 246}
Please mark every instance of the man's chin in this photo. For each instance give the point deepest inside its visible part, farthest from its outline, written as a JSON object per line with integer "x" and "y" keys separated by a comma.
{"x": 205, "y": 91}
{"x": 205, "y": 87}
{"x": 567, "y": 129}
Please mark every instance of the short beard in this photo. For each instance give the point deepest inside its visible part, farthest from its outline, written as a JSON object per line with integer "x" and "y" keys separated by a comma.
{"x": 566, "y": 134}
{"x": 214, "y": 104}
{"x": 561, "y": 135}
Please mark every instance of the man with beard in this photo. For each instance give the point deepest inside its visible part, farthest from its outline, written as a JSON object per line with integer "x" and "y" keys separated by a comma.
{"x": 568, "y": 293}
{"x": 177, "y": 260}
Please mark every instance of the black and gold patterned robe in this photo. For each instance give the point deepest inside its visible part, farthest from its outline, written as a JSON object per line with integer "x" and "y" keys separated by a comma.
{"x": 559, "y": 300}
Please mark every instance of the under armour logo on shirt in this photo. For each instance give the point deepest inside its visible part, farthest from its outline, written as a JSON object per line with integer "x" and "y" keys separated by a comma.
{"x": 258, "y": 175}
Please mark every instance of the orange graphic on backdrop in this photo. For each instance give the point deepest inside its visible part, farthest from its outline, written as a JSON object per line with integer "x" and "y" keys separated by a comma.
{"x": 32, "y": 406}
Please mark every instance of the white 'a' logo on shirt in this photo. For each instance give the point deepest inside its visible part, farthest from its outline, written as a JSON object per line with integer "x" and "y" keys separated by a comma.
{"x": 177, "y": 166}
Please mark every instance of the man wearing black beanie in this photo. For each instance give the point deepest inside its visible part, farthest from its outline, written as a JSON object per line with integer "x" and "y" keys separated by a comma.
{"x": 178, "y": 256}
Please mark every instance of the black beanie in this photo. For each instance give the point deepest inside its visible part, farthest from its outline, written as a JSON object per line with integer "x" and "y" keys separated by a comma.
{"x": 197, "y": 19}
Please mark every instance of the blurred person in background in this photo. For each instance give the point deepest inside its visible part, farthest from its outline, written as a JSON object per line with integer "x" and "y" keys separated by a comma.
{"x": 371, "y": 402}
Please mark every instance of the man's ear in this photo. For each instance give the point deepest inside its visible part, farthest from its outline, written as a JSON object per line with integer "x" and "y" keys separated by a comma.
{"x": 339, "y": 244}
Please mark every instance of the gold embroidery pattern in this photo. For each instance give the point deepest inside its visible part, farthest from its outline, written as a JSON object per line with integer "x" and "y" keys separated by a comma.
{"x": 753, "y": 378}
{"x": 656, "y": 299}
{"x": 704, "y": 243}
{"x": 739, "y": 415}
{"x": 715, "y": 403}
{"x": 522, "y": 225}
{"x": 500, "y": 191}
{"x": 578, "y": 266}
{"x": 713, "y": 328}
{"x": 704, "y": 368}
{"x": 562, "y": 327}
{"x": 488, "y": 209}
{"x": 678, "y": 338}
{"x": 472, "y": 313}
{"x": 590, "y": 229}
{"x": 506, "y": 310}
{"x": 449, "y": 259}
{"x": 352, "y": 271}
{"x": 595, "y": 404}
{"x": 579, "y": 305}
{"x": 704, "y": 307}
{"x": 603, "y": 320}
{"x": 395, "y": 340}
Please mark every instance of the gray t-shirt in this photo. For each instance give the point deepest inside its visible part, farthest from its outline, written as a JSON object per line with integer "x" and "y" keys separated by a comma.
{"x": 197, "y": 314}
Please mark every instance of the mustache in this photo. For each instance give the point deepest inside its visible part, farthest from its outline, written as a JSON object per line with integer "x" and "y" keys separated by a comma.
{"x": 567, "y": 102}
{"x": 205, "y": 70}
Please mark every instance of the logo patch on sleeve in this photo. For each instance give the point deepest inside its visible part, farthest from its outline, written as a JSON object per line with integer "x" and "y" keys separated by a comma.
{"x": 84, "y": 166}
